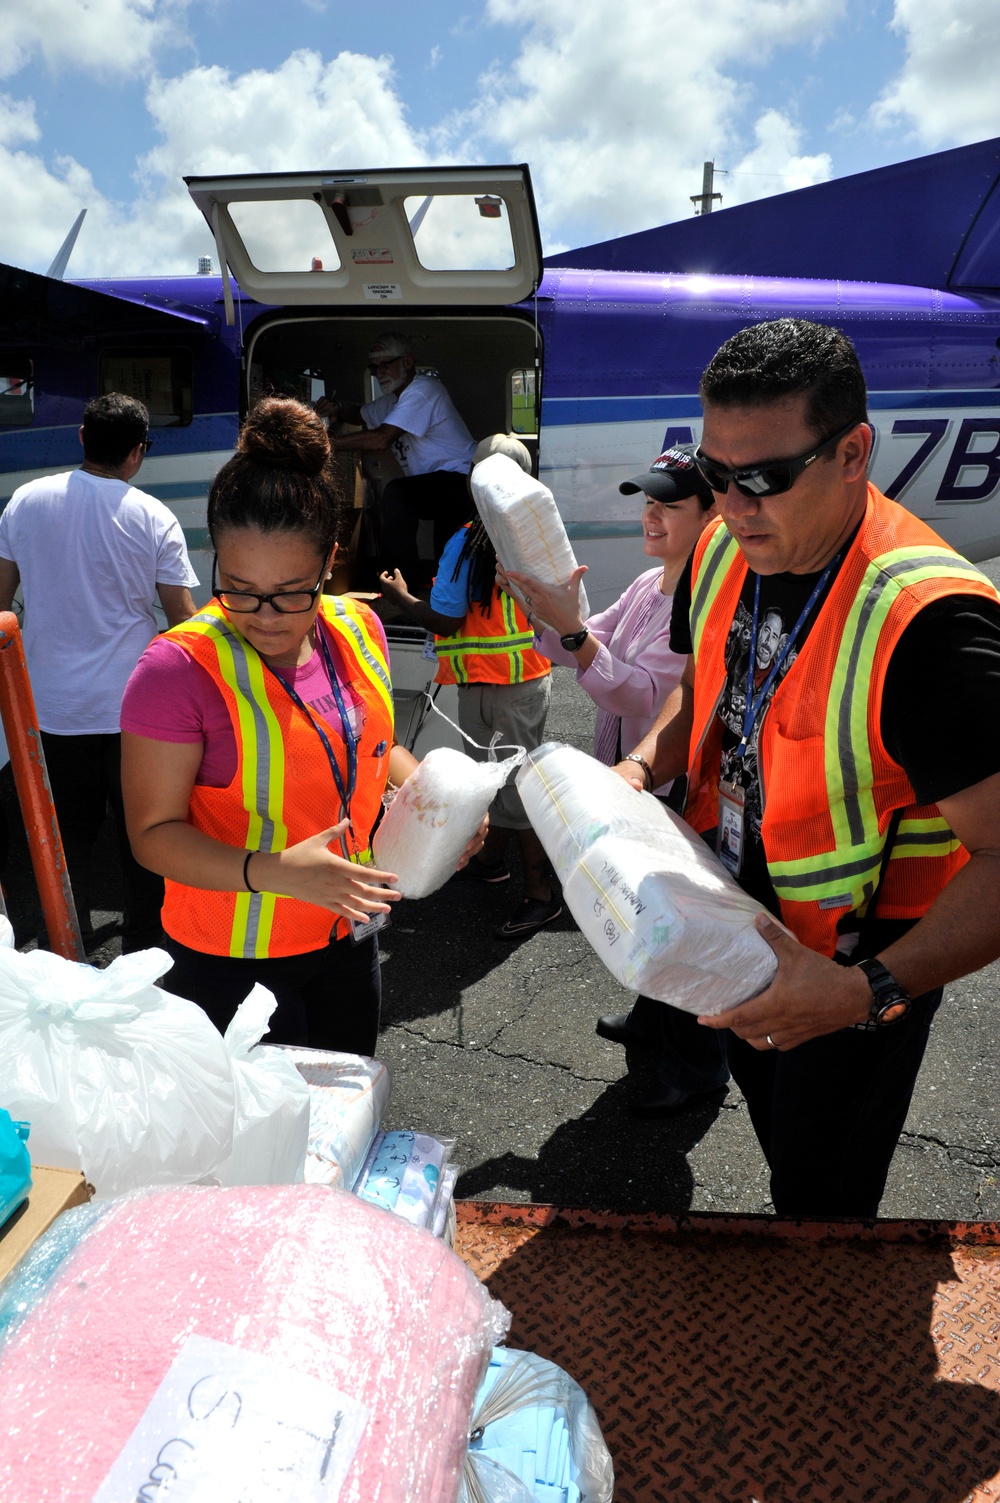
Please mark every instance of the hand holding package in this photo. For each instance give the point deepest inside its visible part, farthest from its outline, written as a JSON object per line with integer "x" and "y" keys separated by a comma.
{"x": 434, "y": 816}
{"x": 656, "y": 904}
{"x": 116, "y": 1077}
{"x": 523, "y": 523}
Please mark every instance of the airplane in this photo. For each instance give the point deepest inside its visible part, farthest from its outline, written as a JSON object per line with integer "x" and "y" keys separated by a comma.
{"x": 592, "y": 356}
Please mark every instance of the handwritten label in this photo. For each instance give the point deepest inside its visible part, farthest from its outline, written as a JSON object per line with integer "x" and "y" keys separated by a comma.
{"x": 230, "y": 1426}
{"x": 383, "y": 292}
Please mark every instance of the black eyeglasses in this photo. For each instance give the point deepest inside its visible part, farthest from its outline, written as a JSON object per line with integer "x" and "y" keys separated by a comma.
{"x": 288, "y": 602}
{"x": 383, "y": 365}
{"x": 772, "y": 477}
{"x": 147, "y": 444}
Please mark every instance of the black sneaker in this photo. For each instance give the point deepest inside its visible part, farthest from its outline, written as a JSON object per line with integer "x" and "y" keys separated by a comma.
{"x": 485, "y": 871}
{"x": 532, "y": 914}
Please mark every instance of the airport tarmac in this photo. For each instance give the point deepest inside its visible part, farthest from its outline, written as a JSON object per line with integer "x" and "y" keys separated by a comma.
{"x": 493, "y": 1044}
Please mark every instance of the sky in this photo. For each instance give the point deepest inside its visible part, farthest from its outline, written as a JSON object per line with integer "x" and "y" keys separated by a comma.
{"x": 614, "y": 104}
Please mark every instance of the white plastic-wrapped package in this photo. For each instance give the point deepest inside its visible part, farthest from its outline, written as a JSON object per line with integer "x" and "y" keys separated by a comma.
{"x": 116, "y": 1076}
{"x": 523, "y": 522}
{"x": 271, "y": 1134}
{"x": 435, "y": 814}
{"x": 284, "y": 1343}
{"x": 348, "y": 1096}
{"x": 656, "y": 904}
{"x": 534, "y": 1434}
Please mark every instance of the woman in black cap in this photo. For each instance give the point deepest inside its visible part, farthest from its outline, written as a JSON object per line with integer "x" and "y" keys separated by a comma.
{"x": 623, "y": 660}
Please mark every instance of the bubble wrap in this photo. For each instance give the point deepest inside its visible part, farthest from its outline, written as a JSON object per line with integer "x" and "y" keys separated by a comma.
{"x": 434, "y": 816}
{"x": 523, "y": 522}
{"x": 658, "y": 907}
{"x": 320, "y": 1286}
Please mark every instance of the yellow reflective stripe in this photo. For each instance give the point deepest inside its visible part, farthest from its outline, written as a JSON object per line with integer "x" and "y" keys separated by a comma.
{"x": 720, "y": 553}
{"x": 344, "y": 615}
{"x": 515, "y": 638}
{"x": 925, "y": 837}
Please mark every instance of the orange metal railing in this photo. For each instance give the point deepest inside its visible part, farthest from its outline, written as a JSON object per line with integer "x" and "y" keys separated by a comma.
{"x": 31, "y": 778}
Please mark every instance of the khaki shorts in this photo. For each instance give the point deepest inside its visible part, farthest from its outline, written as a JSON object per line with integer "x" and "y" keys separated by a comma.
{"x": 518, "y": 712}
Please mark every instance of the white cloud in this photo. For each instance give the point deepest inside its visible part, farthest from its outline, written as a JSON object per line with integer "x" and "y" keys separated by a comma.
{"x": 617, "y": 105}
{"x": 774, "y": 164}
{"x": 947, "y": 92}
{"x": 105, "y": 37}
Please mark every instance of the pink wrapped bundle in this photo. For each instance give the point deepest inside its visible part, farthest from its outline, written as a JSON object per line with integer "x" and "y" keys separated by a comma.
{"x": 310, "y": 1291}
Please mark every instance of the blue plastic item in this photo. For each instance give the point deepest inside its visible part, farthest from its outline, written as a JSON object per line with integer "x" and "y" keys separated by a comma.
{"x": 15, "y": 1165}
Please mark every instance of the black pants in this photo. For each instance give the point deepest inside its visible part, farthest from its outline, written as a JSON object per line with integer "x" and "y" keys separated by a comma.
{"x": 85, "y": 774}
{"x": 828, "y": 1114}
{"x": 692, "y": 1058}
{"x": 442, "y": 497}
{"x": 327, "y": 999}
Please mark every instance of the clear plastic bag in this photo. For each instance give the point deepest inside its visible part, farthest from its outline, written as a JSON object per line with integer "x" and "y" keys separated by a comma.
{"x": 656, "y": 904}
{"x": 298, "y": 1289}
{"x": 116, "y": 1076}
{"x": 534, "y": 1434}
{"x": 410, "y": 1174}
{"x": 271, "y": 1133}
{"x": 434, "y": 816}
{"x": 348, "y": 1096}
{"x": 523, "y": 522}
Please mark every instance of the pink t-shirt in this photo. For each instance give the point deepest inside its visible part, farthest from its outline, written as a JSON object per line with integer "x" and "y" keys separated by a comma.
{"x": 170, "y": 697}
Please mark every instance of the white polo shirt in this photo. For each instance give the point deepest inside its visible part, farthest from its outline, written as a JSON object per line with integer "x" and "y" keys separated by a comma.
{"x": 434, "y": 436}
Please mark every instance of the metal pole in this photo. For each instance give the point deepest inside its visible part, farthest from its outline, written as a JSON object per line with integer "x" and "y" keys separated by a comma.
{"x": 31, "y": 778}
{"x": 706, "y": 197}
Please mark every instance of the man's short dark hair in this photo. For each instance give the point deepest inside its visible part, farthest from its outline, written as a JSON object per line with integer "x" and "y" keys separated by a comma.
{"x": 112, "y": 426}
{"x": 790, "y": 357}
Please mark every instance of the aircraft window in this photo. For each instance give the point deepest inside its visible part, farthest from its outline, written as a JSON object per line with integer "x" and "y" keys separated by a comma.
{"x": 461, "y": 232}
{"x": 523, "y": 413}
{"x": 285, "y": 235}
{"x": 17, "y": 391}
{"x": 160, "y": 378}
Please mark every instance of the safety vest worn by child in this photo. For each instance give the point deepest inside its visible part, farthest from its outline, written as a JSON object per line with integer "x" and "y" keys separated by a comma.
{"x": 493, "y": 645}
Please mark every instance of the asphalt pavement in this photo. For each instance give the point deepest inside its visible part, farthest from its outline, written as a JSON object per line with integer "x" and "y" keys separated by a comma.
{"x": 493, "y": 1044}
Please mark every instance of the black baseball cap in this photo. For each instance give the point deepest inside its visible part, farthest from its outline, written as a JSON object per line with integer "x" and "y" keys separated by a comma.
{"x": 672, "y": 476}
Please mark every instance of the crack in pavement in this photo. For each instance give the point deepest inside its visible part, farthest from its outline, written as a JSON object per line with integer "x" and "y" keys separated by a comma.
{"x": 541, "y": 1064}
{"x": 974, "y": 1157}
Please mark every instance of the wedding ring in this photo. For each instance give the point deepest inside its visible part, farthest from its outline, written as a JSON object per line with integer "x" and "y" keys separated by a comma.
{"x": 770, "y": 1041}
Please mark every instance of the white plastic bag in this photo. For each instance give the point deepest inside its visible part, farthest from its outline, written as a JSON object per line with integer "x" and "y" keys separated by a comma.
{"x": 523, "y": 523}
{"x": 272, "y": 1103}
{"x": 533, "y": 1425}
{"x": 348, "y": 1096}
{"x": 434, "y": 816}
{"x": 117, "y": 1077}
{"x": 656, "y": 904}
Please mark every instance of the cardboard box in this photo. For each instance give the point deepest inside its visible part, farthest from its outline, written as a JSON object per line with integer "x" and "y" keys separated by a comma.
{"x": 52, "y": 1191}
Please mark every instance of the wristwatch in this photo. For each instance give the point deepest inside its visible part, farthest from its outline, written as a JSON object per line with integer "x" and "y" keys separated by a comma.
{"x": 890, "y": 1003}
{"x": 575, "y": 639}
{"x": 647, "y": 771}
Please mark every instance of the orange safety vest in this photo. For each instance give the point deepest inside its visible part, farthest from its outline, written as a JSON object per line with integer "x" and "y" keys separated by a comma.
{"x": 492, "y": 646}
{"x": 828, "y": 785}
{"x": 283, "y": 790}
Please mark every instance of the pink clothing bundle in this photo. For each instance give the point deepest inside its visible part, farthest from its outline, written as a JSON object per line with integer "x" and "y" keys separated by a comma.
{"x": 309, "y": 1278}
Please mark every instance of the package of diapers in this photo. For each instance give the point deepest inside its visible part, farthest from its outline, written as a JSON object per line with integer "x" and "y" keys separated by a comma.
{"x": 656, "y": 904}
{"x": 523, "y": 522}
{"x": 434, "y": 816}
{"x": 260, "y": 1344}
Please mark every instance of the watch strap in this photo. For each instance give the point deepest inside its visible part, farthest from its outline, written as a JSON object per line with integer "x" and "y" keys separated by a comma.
{"x": 574, "y": 640}
{"x": 647, "y": 770}
{"x": 890, "y": 1002}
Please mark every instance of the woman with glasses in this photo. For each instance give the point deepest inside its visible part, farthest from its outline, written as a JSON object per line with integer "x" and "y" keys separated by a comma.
{"x": 257, "y": 746}
{"x": 623, "y": 660}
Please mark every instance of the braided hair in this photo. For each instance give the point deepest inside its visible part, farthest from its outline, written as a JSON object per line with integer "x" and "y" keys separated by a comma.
{"x": 478, "y": 550}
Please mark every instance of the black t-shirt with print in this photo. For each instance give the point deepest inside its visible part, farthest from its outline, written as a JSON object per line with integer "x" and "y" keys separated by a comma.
{"x": 940, "y": 708}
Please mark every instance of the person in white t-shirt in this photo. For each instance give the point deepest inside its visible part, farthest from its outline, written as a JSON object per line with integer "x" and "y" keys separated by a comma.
{"x": 417, "y": 419}
{"x": 90, "y": 552}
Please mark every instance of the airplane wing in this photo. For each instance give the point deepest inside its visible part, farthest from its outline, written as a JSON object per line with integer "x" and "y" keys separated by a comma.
{"x": 931, "y": 222}
{"x": 39, "y": 309}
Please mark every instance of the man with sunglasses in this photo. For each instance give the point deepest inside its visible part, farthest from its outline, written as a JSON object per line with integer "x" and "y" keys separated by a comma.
{"x": 848, "y": 774}
{"x": 416, "y": 418}
{"x": 91, "y": 552}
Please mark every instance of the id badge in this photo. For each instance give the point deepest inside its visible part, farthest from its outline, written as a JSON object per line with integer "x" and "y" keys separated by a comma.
{"x": 729, "y": 835}
{"x": 361, "y": 929}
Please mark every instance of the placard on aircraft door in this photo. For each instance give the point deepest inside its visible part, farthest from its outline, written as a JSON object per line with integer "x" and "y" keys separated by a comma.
{"x": 396, "y": 238}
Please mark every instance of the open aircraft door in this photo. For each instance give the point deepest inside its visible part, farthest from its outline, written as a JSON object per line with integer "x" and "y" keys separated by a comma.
{"x": 407, "y": 237}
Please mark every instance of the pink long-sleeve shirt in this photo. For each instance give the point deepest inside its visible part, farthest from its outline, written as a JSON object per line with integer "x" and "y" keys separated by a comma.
{"x": 634, "y": 671}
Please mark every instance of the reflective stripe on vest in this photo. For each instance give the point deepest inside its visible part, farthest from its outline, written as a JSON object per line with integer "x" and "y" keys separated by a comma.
{"x": 852, "y": 867}
{"x": 721, "y": 551}
{"x": 479, "y": 654}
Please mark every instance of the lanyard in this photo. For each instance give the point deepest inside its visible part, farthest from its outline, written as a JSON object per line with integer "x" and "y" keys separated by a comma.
{"x": 755, "y": 704}
{"x": 350, "y": 740}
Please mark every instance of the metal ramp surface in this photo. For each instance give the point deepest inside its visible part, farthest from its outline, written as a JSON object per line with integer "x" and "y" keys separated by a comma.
{"x": 748, "y": 1360}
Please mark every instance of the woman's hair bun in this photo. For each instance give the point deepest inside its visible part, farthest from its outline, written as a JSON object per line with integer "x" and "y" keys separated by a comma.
{"x": 282, "y": 431}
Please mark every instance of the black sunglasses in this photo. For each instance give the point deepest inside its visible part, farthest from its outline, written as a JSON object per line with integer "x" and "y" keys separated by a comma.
{"x": 147, "y": 444}
{"x": 288, "y": 602}
{"x": 772, "y": 477}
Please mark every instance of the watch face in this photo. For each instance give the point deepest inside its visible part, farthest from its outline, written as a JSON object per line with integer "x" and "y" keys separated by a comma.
{"x": 893, "y": 1012}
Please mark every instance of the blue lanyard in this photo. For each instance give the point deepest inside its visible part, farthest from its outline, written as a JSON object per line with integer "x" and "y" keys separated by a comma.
{"x": 350, "y": 740}
{"x": 755, "y": 704}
